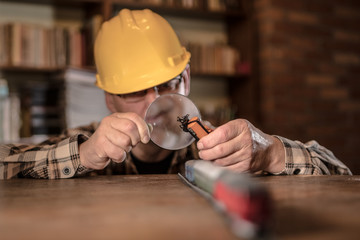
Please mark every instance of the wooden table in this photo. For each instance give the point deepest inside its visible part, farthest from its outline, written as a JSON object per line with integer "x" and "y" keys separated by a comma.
{"x": 162, "y": 207}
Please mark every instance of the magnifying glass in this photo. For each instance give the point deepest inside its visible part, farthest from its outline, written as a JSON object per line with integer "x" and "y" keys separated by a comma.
{"x": 162, "y": 116}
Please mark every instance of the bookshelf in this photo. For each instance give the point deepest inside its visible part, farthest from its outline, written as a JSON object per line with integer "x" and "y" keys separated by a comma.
{"x": 236, "y": 43}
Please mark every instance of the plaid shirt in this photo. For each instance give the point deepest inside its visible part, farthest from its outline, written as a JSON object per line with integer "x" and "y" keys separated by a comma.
{"x": 58, "y": 157}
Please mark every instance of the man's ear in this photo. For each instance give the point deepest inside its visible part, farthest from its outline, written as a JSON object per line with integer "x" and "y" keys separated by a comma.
{"x": 109, "y": 99}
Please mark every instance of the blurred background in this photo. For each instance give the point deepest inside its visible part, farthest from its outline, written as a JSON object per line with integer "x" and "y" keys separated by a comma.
{"x": 290, "y": 67}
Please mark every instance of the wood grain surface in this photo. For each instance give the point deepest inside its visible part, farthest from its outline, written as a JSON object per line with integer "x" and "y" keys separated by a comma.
{"x": 107, "y": 207}
{"x": 162, "y": 207}
{"x": 315, "y": 207}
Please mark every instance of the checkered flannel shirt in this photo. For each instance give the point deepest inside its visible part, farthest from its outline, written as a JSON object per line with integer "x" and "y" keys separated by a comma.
{"x": 58, "y": 157}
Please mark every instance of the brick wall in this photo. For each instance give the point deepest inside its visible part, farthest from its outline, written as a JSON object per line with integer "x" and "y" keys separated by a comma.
{"x": 309, "y": 72}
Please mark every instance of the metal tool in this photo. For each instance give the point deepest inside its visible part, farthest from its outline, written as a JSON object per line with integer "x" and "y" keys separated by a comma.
{"x": 162, "y": 117}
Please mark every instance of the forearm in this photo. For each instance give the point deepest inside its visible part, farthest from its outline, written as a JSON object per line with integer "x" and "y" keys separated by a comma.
{"x": 60, "y": 160}
{"x": 310, "y": 159}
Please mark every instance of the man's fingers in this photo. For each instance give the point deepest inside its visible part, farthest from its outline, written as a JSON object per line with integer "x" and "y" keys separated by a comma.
{"x": 120, "y": 160}
{"x": 220, "y": 135}
{"x": 140, "y": 126}
{"x": 120, "y": 139}
{"x": 235, "y": 149}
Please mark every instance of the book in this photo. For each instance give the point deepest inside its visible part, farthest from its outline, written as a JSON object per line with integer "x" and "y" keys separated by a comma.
{"x": 41, "y": 108}
{"x": 9, "y": 114}
{"x": 213, "y": 59}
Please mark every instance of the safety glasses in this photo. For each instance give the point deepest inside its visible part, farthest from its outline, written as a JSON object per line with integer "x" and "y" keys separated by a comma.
{"x": 172, "y": 86}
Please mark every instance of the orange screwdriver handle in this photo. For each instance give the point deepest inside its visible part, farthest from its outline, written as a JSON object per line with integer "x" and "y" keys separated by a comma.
{"x": 198, "y": 128}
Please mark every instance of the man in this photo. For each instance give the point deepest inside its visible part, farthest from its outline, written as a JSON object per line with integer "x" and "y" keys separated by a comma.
{"x": 139, "y": 57}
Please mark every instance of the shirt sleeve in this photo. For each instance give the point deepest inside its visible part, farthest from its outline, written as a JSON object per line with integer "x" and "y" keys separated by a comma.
{"x": 310, "y": 159}
{"x": 52, "y": 161}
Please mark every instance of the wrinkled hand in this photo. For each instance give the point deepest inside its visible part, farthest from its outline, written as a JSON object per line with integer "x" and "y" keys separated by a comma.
{"x": 115, "y": 136}
{"x": 240, "y": 146}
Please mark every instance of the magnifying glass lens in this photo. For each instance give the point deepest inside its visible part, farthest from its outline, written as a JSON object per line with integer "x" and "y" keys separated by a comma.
{"x": 162, "y": 115}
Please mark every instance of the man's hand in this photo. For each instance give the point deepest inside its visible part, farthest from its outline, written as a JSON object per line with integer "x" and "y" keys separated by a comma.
{"x": 115, "y": 136}
{"x": 238, "y": 145}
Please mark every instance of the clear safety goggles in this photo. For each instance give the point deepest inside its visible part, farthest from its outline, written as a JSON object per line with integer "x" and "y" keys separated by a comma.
{"x": 175, "y": 85}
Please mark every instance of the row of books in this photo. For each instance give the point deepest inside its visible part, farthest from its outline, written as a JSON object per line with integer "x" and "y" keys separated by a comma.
{"x": 36, "y": 109}
{"x": 71, "y": 100}
{"x": 224, "y": 5}
{"x": 46, "y": 108}
{"x": 29, "y": 45}
{"x": 211, "y": 5}
{"x": 41, "y": 108}
{"x": 214, "y": 59}
{"x": 196, "y": 4}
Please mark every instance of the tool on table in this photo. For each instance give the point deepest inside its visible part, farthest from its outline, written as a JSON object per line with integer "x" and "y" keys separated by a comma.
{"x": 245, "y": 203}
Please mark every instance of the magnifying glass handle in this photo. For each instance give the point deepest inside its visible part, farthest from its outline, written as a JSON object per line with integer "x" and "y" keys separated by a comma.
{"x": 194, "y": 127}
{"x": 150, "y": 127}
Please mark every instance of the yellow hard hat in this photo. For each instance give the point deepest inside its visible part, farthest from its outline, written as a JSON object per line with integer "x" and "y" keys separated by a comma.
{"x": 136, "y": 50}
